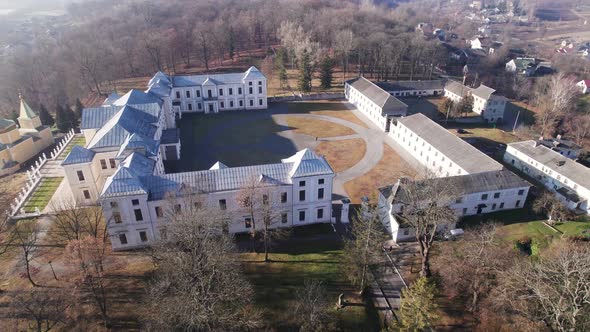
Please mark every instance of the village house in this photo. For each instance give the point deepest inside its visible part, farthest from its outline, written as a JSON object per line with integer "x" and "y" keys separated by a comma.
{"x": 212, "y": 93}
{"x": 522, "y": 66}
{"x": 584, "y": 85}
{"x": 483, "y": 185}
{"x": 18, "y": 144}
{"x": 568, "y": 179}
{"x": 486, "y": 103}
{"x": 375, "y": 103}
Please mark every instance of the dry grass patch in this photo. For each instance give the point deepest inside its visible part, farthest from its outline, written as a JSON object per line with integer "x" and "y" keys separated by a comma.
{"x": 335, "y": 109}
{"x": 317, "y": 128}
{"x": 390, "y": 168}
{"x": 342, "y": 154}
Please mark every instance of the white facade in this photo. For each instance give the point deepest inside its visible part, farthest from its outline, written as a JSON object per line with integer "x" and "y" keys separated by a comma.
{"x": 486, "y": 103}
{"x": 583, "y": 85}
{"x": 217, "y": 93}
{"x": 568, "y": 179}
{"x": 298, "y": 199}
{"x": 374, "y": 102}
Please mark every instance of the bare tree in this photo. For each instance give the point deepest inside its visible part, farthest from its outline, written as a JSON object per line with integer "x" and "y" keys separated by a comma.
{"x": 426, "y": 210}
{"x": 25, "y": 236}
{"x": 555, "y": 289}
{"x": 261, "y": 202}
{"x": 578, "y": 127}
{"x": 89, "y": 255}
{"x": 365, "y": 242}
{"x": 74, "y": 222}
{"x": 470, "y": 266}
{"x": 43, "y": 309}
{"x": 552, "y": 207}
{"x": 312, "y": 308}
{"x": 344, "y": 44}
{"x": 198, "y": 284}
{"x": 554, "y": 98}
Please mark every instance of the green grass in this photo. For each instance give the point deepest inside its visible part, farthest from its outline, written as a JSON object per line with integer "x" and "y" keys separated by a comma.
{"x": 77, "y": 140}
{"x": 277, "y": 283}
{"x": 42, "y": 194}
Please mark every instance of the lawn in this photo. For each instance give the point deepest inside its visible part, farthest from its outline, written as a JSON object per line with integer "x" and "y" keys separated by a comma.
{"x": 317, "y": 128}
{"x": 42, "y": 194}
{"x": 389, "y": 169}
{"x": 77, "y": 140}
{"x": 277, "y": 283}
{"x": 342, "y": 154}
{"x": 335, "y": 109}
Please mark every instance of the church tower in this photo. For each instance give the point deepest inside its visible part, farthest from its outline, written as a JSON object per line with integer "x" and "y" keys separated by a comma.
{"x": 27, "y": 118}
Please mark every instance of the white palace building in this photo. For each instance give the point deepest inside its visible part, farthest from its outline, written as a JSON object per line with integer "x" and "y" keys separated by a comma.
{"x": 129, "y": 136}
{"x": 482, "y": 185}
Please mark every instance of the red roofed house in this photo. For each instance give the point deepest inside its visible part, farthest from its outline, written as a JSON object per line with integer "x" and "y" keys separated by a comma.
{"x": 584, "y": 85}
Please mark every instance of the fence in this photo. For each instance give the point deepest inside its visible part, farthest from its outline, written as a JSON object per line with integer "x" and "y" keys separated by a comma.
{"x": 300, "y": 97}
{"x": 62, "y": 145}
{"x": 33, "y": 179}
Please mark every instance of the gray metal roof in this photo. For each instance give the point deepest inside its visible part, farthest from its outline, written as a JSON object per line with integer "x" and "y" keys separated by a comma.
{"x": 469, "y": 184}
{"x": 578, "y": 173}
{"x": 78, "y": 155}
{"x": 411, "y": 85}
{"x": 96, "y": 117}
{"x": 454, "y": 148}
{"x": 133, "y": 181}
{"x": 230, "y": 78}
{"x": 123, "y": 124}
{"x": 483, "y": 91}
{"x": 457, "y": 88}
{"x": 388, "y": 103}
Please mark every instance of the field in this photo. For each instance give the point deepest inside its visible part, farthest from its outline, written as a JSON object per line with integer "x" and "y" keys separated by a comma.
{"x": 342, "y": 154}
{"x": 276, "y": 283}
{"x": 390, "y": 168}
{"x": 42, "y": 194}
{"x": 317, "y": 128}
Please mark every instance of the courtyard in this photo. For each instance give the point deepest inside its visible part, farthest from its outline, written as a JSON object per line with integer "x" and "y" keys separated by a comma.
{"x": 355, "y": 151}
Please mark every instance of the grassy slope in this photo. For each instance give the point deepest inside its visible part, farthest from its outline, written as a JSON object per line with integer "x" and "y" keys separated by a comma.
{"x": 42, "y": 194}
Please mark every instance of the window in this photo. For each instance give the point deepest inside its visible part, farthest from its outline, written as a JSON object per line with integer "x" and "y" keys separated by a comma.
{"x": 114, "y": 205}
{"x": 496, "y": 195}
{"x": 86, "y": 194}
{"x": 177, "y": 94}
{"x": 521, "y": 192}
{"x": 199, "y": 106}
{"x": 494, "y": 206}
{"x": 321, "y": 193}
{"x": 459, "y": 200}
{"x": 265, "y": 199}
{"x": 250, "y": 90}
{"x": 231, "y": 103}
{"x": 113, "y": 163}
{"x": 231, "y": 91}
{"x": 260, "y": 102}
{"x": 302, "y": 215}
{"x": 302, "y": 183}
{"x": 241, "y": 103}
{"x": 284, "y": 197}
{"x": 138, "y": 215}
{"x": 198, "y": 93}
{"x": 103, "y": 164}
{"x": 135, "y": 201}
{"x": 251, "y": 102}
{"x": 517, "y": 203}
{"x": 222, "y": 104}
{"x": 464, "y": 210}
{"x": 502, "y": 205}
{"x": 301, "y": 195}
{"x": 320, "y": 213}
{"x": 259, "y": 89}
{"x": 188, "y": 94}
{"x": 320, "y": 181}
{"x": 159, "y": 212}
{"x": 222, "y": 204}
{"x": 143, "y": 234}
{"x": 80, "y": 175}
{"x": 239, "y": 91}
{"x": 123, "y": 238}
{"x": 190, "y": 106}
{"x": 484, "y": 197}
{"x": 209, "y": 93}
{"x": 117, "y": 217}
{"x": 248, "y": 222}
{"x": 250, "y": 83}
{"x": 259, "y": 82}
{"x": 221, "y": 92}
{"x": 284, "y": 217}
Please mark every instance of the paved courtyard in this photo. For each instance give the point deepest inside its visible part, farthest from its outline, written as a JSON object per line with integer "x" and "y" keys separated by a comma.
{"x": 333, "y": 128}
